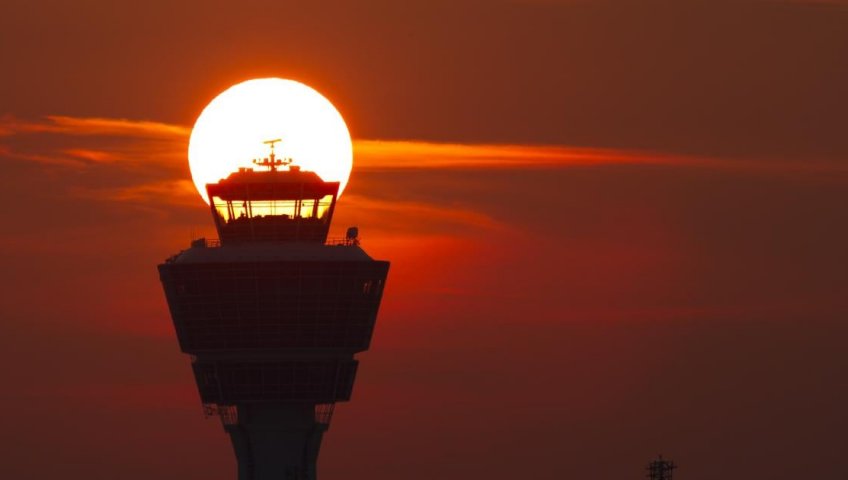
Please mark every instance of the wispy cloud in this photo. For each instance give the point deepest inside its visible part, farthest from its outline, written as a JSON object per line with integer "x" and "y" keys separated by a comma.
{"x": 61, "y": 141}
{"x": 60, "y": 124}
{"x": 49, "y": 160}
{"x": 424, "y": 218}
{"x": 154, "y": 154}
{"x": 180, "y": 192}
{"x": 94, "y": 156}
{"x": 379, "y": 154}
{"x": 163, "y": 141}
{"x": 417, "y": 154}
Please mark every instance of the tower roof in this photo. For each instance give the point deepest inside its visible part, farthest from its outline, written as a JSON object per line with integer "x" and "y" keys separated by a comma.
{"x": 248, "y": 184}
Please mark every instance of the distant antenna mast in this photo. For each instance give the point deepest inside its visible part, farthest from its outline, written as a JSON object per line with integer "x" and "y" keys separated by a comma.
{"x": 271, "y": 160}
{"x": 660, "y": 469}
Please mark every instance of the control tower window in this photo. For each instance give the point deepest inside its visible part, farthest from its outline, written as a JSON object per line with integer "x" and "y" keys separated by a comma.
{"x": 312, "y": 209}
{"x": 315, "y": 207}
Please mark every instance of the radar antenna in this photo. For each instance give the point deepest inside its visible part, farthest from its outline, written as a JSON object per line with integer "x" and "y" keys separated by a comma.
{"x": 660, "y": 469}
{"x": 271, "y": 161}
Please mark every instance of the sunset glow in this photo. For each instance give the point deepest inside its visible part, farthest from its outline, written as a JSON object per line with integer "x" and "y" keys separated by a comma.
{"x": 615, "y": 230}
{"x": 231, "y": 130}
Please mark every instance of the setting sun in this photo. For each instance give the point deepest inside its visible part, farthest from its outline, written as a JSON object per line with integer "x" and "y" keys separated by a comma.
{"x": 231, "y": 130}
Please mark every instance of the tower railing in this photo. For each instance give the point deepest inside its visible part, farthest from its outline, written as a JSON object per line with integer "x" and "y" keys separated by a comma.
{"x": 204, "y": 242}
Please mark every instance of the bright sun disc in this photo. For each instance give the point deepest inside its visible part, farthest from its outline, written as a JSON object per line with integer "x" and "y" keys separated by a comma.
{"x": 230, "y": 131}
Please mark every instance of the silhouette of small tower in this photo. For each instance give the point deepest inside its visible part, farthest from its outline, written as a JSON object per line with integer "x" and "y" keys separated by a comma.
{"x": 660, "y": 469}
{"x": 273, "y": 314}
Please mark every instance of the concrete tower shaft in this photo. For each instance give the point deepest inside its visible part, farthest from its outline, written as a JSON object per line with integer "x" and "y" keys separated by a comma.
{"x": 273, "y": 316}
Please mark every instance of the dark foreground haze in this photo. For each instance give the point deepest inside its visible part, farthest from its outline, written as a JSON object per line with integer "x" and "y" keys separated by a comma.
{"x": 619, "y": 229}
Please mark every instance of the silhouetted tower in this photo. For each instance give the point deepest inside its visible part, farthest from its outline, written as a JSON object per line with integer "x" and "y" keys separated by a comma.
{"x": 273, "y": 314}
{"x": 660, "y": 469}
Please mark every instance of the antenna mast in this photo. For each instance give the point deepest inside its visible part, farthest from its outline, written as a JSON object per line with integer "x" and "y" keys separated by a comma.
{"x": 271, "y": 160}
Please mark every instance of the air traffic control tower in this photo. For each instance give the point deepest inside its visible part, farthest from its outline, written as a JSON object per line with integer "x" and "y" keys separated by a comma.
{"x": 273, "y": 314}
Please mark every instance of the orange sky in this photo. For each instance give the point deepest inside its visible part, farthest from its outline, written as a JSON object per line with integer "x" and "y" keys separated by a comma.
{"x": 576, "y": 296}
{"x": 616, "y": 229}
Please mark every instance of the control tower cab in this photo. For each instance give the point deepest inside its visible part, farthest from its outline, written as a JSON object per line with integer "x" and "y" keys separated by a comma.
{"x": 276, "y": 205}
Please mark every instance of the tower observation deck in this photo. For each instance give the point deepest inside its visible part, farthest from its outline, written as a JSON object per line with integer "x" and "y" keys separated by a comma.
{"x": 273, "y": 314}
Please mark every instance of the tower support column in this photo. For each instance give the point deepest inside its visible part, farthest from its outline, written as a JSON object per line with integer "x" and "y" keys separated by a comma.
{"x": 277, "y": 441}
